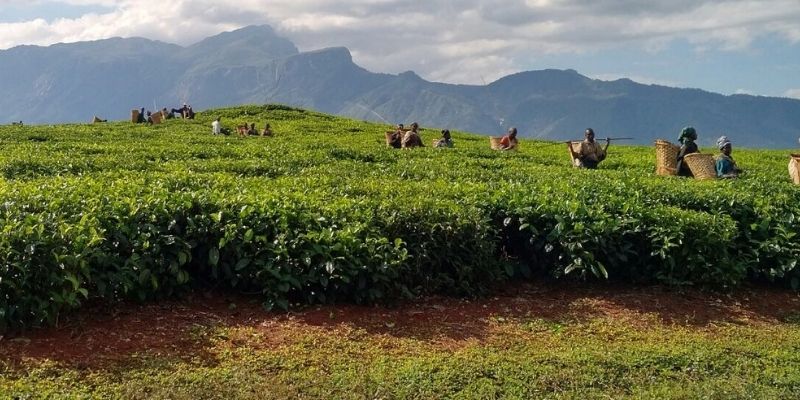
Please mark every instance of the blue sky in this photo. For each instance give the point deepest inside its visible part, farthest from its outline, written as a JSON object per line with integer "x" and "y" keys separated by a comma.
{"x": 725, "y": 46}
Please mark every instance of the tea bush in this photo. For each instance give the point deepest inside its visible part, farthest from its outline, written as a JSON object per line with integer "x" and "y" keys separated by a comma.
{"x": 324, "y": 212}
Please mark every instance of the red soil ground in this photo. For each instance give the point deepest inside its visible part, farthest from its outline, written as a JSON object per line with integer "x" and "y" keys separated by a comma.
{"x": 98, "y": 336}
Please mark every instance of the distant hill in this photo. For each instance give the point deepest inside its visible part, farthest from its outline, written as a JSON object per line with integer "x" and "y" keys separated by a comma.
{"x": 73, "y": 82}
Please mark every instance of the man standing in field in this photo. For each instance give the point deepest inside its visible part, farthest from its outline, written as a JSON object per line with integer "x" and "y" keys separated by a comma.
{"x": 590, "y": 153}
{"x": 216, "y": 127}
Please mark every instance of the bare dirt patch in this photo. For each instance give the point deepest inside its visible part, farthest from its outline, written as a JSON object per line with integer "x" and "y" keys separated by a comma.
{"x": 185, "y": 328}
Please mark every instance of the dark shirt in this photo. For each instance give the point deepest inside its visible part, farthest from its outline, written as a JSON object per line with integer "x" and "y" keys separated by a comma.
{"x": 395, "y": 140}
{"x": 687, "y": 148}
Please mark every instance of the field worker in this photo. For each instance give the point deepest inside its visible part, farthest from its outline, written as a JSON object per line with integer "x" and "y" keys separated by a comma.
{"x": 509, "y": 141}
{"x": 590, "y": 154}
{"x": 688, "y": 146}
{"x": 726, "y": 167}
{"x": 446, "y": 140}
{"x": 267, "y": 131}
{"x": 411, "y": 138}
{"x": 216, "y": 127}
{"x": 396, "y": 138}
{"x": 252, "y": 131}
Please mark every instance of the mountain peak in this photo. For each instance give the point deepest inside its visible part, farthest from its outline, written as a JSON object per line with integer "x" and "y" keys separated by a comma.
{"x": 249, "y": 42}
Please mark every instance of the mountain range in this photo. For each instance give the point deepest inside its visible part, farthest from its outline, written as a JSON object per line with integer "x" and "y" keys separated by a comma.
{"x": 73, "y": 82}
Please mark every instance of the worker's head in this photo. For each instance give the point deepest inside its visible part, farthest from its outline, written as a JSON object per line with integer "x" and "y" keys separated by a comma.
{"x": 446, "y": 133}
{"x": 414, "y": 126}
{"x": 512, "y": 132}
{"x": 724, "y": 145}
{"x": 589, "y": 134}
{"x": 400, "y": 126}
{"x": 687, "y": 134}
{"x": 267, "y": 126}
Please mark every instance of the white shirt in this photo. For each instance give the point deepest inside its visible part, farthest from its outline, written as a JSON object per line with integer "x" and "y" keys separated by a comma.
{"x": 215, "y": 128}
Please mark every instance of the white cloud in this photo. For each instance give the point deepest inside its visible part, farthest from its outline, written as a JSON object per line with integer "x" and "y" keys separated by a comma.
{"x": 464, "y": 41}
{"x": 793, "y": 93}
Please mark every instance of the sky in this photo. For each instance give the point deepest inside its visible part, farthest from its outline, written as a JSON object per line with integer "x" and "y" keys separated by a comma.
{"x": 724, "y": 46}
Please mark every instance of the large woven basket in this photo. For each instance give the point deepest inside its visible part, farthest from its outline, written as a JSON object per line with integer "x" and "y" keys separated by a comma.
{"x": 388, "y": 136}
{"x": 576, "y": 148}
{"x": 701, "y": 165}
{"x": 666, "y": 158}
{"x": 494, "y": 142}
{"x": 134, "y": 116}
{"x": 794, "y": 168}
{"x": 156, "y": 117}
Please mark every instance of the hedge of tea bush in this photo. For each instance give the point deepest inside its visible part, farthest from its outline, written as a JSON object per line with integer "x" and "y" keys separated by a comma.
{"x": 324, "y": 212}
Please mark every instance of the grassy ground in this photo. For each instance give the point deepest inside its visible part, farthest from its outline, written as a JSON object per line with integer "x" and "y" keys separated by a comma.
{"x": 531, "y": 343}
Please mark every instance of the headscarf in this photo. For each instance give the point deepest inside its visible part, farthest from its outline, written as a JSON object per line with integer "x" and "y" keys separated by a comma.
{"x": 687, "y": 133}
{"x": 722, "y": 142}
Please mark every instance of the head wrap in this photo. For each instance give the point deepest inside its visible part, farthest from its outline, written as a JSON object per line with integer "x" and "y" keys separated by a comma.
{"x": 722, "y": 142}
{"x": 687, "y": 133}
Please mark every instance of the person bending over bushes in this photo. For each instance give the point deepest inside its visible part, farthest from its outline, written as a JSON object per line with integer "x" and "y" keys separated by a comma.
{"x": 396, "y": 138}
{"x": 411, "y": 138}
{"x": 267, "y": 131}
{"x": 509, "y": 141}
{"x": 445, "y": 141}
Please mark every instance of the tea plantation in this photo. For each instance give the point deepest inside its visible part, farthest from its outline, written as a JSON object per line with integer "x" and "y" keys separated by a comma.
{"x": 324, "y": 212}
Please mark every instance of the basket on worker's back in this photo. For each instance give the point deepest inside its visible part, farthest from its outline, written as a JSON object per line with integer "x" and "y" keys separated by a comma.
{"x": 701, "y": 165}
{"x": 389, "y": 138}
{"x": 156, "y": 117}
{"x": 666, "y": 158}
{"x": 494, "y": 142}
{"x": 576, "y": 149}
{"x": 794, "y": 168}
{"x": 135, "y": 116}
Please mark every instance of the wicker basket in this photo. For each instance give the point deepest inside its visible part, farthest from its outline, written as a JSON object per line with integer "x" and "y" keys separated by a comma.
{"x": 494, "y": 142}
{"x": 388, "y": 136}
{"x": 666, "y": 158}
{"x": 134, "y": 116}
{"x": 701, "y": 165}
{"x": 576, "y": 148}
{"x": 794, "y": 168}
{"x": 156, "y": 117}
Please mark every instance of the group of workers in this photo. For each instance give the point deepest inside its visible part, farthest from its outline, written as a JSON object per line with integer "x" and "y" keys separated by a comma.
{"x": 724, "y": 164}
{"x": 242, "y": 130}
{"x": 587, "y": 153}
{"x": 408, "y": 138}
{"x": 147, "y": 117}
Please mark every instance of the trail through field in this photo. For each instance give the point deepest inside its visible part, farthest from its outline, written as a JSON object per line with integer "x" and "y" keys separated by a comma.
{"x": 200, "y": 325}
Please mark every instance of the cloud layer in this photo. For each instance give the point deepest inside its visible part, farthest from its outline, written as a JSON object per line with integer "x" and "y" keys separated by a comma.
{"x": 469, "y": 41}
